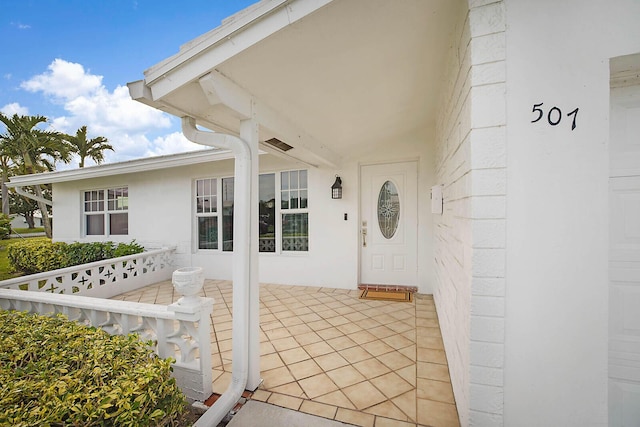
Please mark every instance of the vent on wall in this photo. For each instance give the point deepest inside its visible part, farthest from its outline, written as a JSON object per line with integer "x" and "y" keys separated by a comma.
{"x": 274, "y": 142}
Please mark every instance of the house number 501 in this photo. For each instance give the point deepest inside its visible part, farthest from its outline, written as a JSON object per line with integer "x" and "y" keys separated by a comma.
{"x": 554, "y": 115}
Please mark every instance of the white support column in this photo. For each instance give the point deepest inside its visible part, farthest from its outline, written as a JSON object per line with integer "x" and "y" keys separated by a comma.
{"x": 249, "y": 129}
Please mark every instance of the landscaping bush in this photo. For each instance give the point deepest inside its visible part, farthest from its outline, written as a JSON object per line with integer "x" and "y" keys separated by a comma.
{"x": 57, "y": 372}
{"x": 5, "y": 226}
{"x": 35, "y": 256}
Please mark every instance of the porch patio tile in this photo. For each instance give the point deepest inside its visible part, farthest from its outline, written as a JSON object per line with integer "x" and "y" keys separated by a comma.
{"x": 433, "y": 371}
{"x": 388, "y": 410}
{"x": 355, "y": 417}
{"x": 346, "y": 376}
{"x": 305, "y": 369}
{"x": 437, "y": 414}
{"x": 319, "y": 409}
{"x": 328, "y": 353}
{"x": 318, "y": 385}
{"x": 285, "y": 401}
{"x": 435, "y": 390}
{"x": 364, "y": 395}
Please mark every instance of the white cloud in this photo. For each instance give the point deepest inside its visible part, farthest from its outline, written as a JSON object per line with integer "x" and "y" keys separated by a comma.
{"x": 173, "y": 143}
{"x": 64, "y": 80}
{"x": 127, "y": 124}
{"x": 14, "y": 108}
{"x": 21, "y": 26}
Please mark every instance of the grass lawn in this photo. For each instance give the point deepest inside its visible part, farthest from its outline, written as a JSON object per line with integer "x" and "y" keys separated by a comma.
{"x": 27, "y": 230}
{"x": 5, "y": 272}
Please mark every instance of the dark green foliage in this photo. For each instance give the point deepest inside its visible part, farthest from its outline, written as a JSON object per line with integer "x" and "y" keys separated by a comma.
{"x": 83, "y": 253}
{"x": 5, "y": 226}
{"x": 36, "y": 256}
{"x": 124, "y": 249}
{"x": 55, "y": 372}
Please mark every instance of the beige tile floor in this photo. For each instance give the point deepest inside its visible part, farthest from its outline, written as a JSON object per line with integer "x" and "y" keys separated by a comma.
{"x": 326, "y": 352}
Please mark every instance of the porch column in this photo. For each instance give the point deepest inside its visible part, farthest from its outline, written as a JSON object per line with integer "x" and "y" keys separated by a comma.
{"x": 249, "y": 133}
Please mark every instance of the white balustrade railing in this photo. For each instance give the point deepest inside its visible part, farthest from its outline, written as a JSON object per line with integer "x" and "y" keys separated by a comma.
{"x": 180, "y": 330}
{"x": 101, "y": 279}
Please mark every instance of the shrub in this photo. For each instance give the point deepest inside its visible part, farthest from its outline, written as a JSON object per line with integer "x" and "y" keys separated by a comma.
{"x": 35, "y": 256}
{"x": 83, "y": 253}
{"x": 5, "y": 226}
{"x": 124, "y": 249}
{"x": 57, "y": 372}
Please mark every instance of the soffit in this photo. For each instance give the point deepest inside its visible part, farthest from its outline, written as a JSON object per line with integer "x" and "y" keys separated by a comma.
{"x": 351, "y": 74}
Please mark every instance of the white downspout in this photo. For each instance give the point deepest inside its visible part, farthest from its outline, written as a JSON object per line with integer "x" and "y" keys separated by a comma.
{"x": 241, "y": 266}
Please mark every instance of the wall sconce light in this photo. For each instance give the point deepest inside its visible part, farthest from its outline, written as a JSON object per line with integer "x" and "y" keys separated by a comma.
{"x": 336, "y": 189}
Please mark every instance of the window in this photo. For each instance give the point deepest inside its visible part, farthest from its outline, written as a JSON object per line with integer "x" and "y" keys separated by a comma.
{"x": 294, "y": 210}
{"x": 215, "y": 214}
{"x": 267, "y": 213}
{"x": 110, "y": 218}
{"x": 227, "y": 214}
{"x": 207, "y": 213}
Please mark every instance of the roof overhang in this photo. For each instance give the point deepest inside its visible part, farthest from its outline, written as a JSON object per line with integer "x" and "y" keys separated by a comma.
{"x": 131, "y": 166}
{"x": 330, "y": 78}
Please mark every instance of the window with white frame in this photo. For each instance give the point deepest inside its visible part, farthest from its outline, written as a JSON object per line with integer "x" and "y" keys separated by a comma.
{"x": 214, "y": 214}
{"x": 106, "y": 212}
{"x": 294, "y": 211}
{"x": 207, "y": 213}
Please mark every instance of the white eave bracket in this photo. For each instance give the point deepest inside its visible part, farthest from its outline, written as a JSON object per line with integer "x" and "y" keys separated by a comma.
{"x": 220, "y": 89}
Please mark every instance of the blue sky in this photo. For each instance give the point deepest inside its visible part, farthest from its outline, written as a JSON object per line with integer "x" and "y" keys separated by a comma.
{"x": 70, "y": 60}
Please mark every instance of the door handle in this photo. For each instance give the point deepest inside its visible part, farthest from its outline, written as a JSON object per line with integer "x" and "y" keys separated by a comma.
{"x": 364, "y": 237}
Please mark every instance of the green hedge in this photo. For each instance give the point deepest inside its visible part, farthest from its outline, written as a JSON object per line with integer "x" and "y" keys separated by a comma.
{"x": 5, "y": 226}
{"x": 35, "y": 256}
{"x": 54, "y": 372}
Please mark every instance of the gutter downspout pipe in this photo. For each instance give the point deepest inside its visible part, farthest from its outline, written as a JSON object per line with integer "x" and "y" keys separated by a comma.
{"x": 241, "y": 266}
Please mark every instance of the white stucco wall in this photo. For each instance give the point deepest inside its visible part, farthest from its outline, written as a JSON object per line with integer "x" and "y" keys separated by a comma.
{"x": 557, "y": 295}
{"x": 161, "y": 213}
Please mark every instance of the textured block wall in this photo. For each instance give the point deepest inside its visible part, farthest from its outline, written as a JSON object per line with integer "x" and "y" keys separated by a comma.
{"x": 470, "y": 235}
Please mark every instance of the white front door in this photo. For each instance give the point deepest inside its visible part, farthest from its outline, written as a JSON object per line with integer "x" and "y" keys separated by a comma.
{"x": 624, "y": 258}
{"x": 389, "y": 224}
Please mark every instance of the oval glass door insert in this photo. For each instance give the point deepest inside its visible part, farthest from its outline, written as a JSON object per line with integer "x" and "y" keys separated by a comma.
{"x": 388, "y": 209}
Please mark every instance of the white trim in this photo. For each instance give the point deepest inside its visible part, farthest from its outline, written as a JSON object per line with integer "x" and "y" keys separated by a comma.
{"x": 130, "y": 166}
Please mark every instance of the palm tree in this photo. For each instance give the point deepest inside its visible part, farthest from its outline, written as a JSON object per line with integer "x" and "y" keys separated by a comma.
{"x": 33, "y": 149}
{"x": 84, "y": 148}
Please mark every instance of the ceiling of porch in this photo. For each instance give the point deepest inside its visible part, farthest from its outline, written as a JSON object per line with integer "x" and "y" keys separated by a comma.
{"x": 352, "y": 74}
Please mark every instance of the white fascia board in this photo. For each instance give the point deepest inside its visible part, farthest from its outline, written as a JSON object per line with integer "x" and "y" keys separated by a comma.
{"x": 225, "y": 42}
{"x": 219, "y": 88}
{"x": 131, "y": 166}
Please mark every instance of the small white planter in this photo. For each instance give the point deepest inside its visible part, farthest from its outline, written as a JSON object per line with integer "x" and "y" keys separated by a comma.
{"x": 188, "y": 282}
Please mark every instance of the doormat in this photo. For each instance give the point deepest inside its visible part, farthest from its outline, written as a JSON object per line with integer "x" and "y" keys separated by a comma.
{"x": 403, "y": 296}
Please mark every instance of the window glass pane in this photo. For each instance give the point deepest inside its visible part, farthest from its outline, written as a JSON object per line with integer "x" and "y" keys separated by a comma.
{"x": 206, "y": 195}
{"x": 284, "y": 204}
{"x": 293, "y": 180}
{"x": 284, "y": 180}
{"x": 111, "y": 205}
{"x": 100, "y": 206}
{"x": 267, "y": 213}
{"x": 95, "y": 225}
{"x": 303, "y": 199}
{"x": 293, "y": 197}
{"x": 199, "y": 188}
{"x": 119, "y": 223}
{"x": 227, "y": 214}
{"x": 303, "y": 179}
{"x": 208, "y": 232}
{"x": 295, "y": 232}
{"x": 388, "y": 209}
